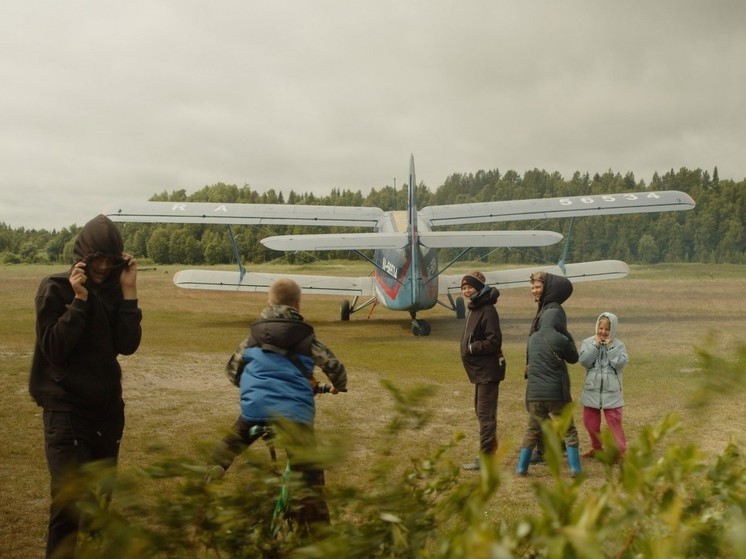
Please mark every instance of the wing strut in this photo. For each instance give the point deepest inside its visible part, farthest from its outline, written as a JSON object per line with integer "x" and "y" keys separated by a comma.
{"x": 566, "y": 248}
{"x": 234, "y": 248}
{"x": 451, "y": 263}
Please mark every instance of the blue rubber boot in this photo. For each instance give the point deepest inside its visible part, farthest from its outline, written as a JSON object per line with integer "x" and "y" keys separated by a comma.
{"x": 573, "y": 460}
{"x": 523, "y": 459}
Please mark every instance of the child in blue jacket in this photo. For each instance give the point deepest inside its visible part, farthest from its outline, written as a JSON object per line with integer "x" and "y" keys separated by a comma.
{"x": 273, "y": 369}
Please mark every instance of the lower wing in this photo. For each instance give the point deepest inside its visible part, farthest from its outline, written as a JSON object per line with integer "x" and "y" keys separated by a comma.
{"x": 257, "y": 282}
{"x": 519, "y": 277}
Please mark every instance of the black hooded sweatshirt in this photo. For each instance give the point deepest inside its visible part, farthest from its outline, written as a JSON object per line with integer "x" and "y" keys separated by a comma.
{"x": 74, "y": 366}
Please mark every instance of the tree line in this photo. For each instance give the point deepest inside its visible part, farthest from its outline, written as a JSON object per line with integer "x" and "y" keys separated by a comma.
{"x": 714, "y": 232}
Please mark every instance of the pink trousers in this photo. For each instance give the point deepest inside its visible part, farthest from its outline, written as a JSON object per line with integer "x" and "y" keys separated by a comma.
{"x": 592, "y": 422}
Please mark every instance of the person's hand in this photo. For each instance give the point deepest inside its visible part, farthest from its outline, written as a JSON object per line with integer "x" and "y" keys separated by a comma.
{"x": 128, "y": 277}
{"x": 77, "y": 281}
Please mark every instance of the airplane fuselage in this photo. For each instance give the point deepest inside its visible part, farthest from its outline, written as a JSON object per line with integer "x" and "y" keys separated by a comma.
{"x": 406, "y": 279}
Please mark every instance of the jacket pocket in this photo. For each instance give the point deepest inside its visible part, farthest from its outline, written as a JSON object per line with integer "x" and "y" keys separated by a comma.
{"x": 502, "y": 366}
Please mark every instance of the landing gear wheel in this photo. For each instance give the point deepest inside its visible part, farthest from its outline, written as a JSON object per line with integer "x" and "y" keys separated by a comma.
{"x": 421, "y": 328}
{"x": 460, "y": 309}
{"x": 344, "y": 310}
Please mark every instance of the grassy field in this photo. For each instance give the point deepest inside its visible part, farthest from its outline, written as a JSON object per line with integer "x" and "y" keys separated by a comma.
{"x": 178, "y": 398}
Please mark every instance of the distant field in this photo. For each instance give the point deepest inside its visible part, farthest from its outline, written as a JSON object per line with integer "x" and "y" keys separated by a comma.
{"x": 177, "y": 395}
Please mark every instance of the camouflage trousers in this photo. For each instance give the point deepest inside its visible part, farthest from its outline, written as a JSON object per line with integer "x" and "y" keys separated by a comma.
{"x": 538, "y": 412}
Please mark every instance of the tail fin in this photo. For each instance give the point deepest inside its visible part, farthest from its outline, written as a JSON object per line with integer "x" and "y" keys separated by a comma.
{"x": 414, "y": 272}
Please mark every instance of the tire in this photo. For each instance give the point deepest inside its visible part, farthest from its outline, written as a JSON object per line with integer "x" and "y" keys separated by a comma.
{"x": 421, "y": 328}
{"x": 344, "y": 310}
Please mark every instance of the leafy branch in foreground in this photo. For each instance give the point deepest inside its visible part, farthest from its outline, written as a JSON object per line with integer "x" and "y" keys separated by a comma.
{"x": 665, "y": 500}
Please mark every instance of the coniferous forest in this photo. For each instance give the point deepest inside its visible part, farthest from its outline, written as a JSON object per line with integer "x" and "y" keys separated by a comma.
{"x": 714, "y": 232}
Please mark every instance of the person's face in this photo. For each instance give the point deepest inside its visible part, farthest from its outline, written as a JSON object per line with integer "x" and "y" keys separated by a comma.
{"x": 99, "y": 268}
{"x": 467, "y": 291}
{"x": 537, "y": 288}
{"x": 603, "y": 328}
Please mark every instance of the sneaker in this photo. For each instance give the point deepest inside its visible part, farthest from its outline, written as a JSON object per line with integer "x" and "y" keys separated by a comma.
{"x": 471, "y": 466}
{"x": 591, "y": 453}
{"x": 537, "y": 458}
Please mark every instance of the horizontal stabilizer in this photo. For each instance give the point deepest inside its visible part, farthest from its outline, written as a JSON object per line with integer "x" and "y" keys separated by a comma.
{"x": 244, "y": 214}
{"x": 456, "y": 239}
{"x": 549, "y": 208}
{"x": 519, "y": 277}
{"x": 214, "y": 280}
{"x": 341, "y": 241}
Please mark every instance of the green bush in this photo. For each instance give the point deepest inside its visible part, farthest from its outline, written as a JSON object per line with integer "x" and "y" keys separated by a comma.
{"x": 664, "y": 501}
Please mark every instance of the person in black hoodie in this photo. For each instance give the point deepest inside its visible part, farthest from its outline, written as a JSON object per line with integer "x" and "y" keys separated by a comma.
{"x": 85, "y": 318}
{"x": 482, "y": 356}
{"x": 550, "y": 348}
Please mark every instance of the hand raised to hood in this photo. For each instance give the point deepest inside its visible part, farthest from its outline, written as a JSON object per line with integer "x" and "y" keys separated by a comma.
{"x": 77, "y": 279}
{"x": 128, "y": 277}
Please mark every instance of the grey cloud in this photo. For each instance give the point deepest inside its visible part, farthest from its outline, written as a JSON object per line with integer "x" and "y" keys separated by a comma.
{"x": 110, "y": 101}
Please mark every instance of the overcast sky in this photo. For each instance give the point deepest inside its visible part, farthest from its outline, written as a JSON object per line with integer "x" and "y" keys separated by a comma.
{"x": 106, "y": 101}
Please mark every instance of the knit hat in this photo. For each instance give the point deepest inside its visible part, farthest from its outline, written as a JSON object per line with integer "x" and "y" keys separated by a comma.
{"x": 475, "y": 279}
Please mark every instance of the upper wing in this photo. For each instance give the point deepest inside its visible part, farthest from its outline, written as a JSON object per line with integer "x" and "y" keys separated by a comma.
{"x": 255, "y": 282}
{"x": 342, "y": 241}
{"x": 244, "y": 214}
{"x": 519, "y": 277}
{"x": 456, "y": 239}
{"x": 546, "y": 208}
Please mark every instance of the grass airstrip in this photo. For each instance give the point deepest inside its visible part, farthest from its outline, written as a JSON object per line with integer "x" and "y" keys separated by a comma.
{"x": 177, "y": 397}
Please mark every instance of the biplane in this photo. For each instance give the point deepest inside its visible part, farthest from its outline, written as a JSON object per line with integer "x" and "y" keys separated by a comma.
{"x": 404, "y": 245}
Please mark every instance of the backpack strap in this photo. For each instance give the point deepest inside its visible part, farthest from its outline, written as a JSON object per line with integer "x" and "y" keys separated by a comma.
{"x": 292, "y": 353}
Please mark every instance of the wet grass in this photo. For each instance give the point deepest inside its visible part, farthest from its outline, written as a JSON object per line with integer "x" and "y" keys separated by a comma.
{"x": 177, "y": 397}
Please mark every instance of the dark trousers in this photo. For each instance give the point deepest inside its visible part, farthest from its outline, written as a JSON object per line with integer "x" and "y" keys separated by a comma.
{"x": 485, "y": 406}
{"x": 313, "y": 507}
{"x": 70, "y": 442}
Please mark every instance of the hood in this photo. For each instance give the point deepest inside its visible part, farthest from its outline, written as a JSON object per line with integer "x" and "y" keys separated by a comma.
{"x": 613, "y": 321}
{"x": 99, "y": 236}
{"x": 557, "y": 289}
{"x": 488, "y": 295}
{"x": 282, "y": 326}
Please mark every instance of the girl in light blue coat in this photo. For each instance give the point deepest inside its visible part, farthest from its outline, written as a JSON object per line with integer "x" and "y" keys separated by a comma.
{"x": 604, "y": 356}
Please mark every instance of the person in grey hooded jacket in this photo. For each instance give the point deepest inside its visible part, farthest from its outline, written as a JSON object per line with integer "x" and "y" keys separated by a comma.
{"x": 604, "y": 356}
{"x": 550, "y": 349}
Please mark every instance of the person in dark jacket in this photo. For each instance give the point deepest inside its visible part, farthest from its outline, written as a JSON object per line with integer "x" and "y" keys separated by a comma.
{"x": 482, "y": 356}
{"x": 536, "y": 285}
{"x": 273, "y": 368}
{"x": 550, "y": 348}
{"x": 85, "y": 318}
